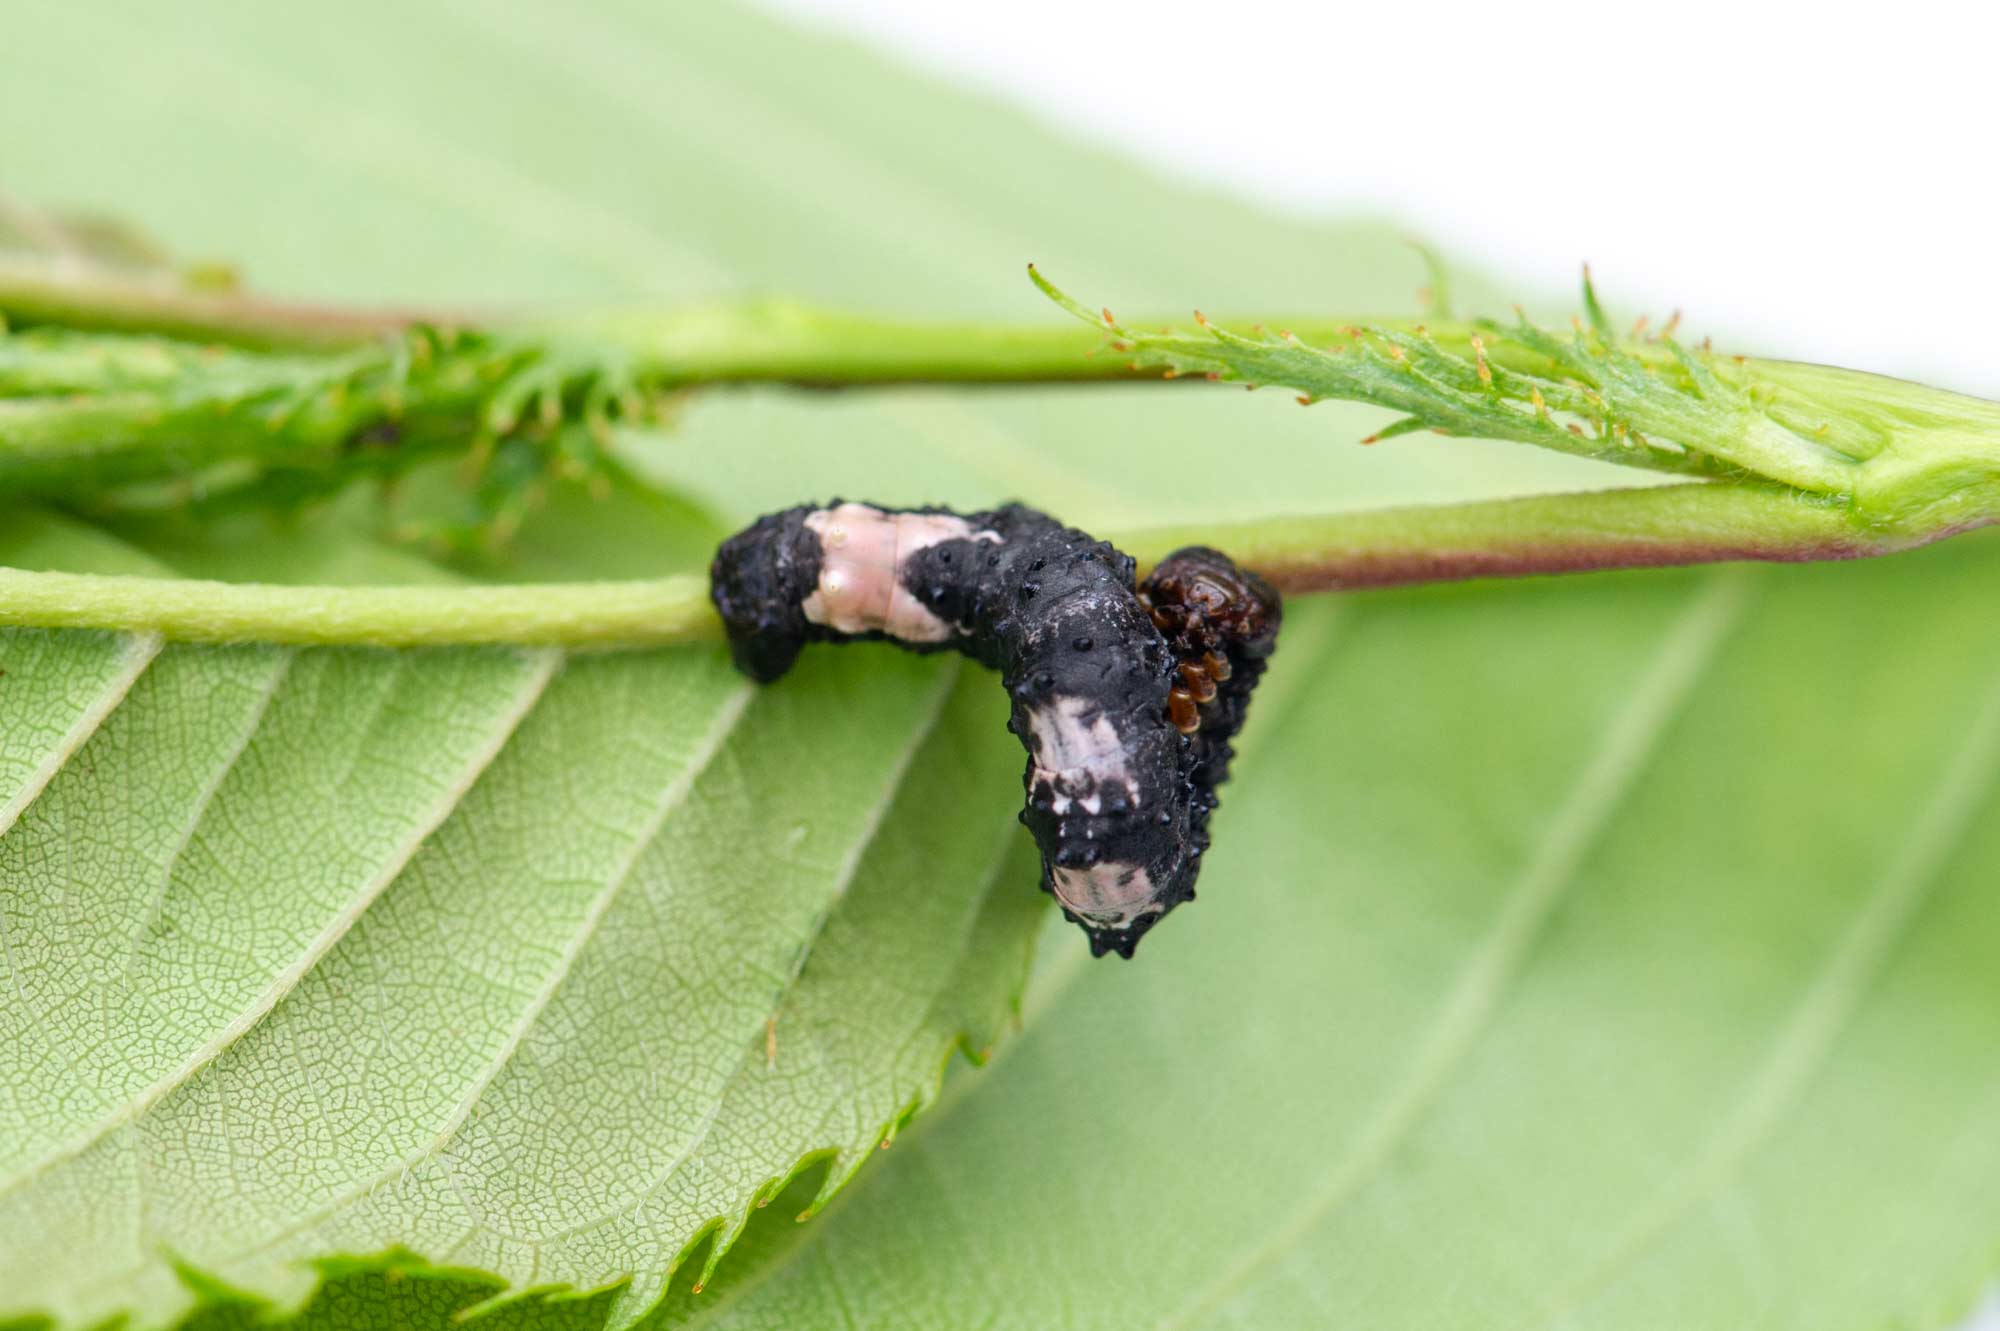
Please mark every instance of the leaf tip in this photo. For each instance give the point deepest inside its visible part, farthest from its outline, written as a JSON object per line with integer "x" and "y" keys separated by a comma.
{"x": 1592, "y": 308}
{"x": 1065, "y": 300}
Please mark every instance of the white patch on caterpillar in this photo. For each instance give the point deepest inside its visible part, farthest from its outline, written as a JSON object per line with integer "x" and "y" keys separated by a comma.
{"x": 1076, "y": 759}
{"x": 1109, "y": 896}
{"x": 862, "y": 551}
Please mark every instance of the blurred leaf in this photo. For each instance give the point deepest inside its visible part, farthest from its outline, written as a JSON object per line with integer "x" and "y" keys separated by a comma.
{"x": 1609, "y": 952}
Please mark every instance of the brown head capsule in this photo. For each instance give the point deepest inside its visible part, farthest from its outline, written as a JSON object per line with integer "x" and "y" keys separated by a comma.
{"x": 1214, "y": 614}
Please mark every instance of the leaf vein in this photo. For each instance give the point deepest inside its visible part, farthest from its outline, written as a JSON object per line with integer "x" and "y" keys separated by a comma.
{"x": 141, "y": 649}
{"x": 711, "y": 1312}
{"x": 1824, "y": 1008}
{"x": 542, "y": 667}
{"x": 671, "y": 798}
{"x": 844, "y": 876}
{"x": 203, "y": 799}
{"x": 1631, "y": 742}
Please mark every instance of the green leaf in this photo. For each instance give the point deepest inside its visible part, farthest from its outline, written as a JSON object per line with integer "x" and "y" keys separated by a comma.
{"x": 1597, "y": 983}
{"x": 1902, "y": 457}
{"x": 485, "y": 953}
{"x": 1616, "y": 948}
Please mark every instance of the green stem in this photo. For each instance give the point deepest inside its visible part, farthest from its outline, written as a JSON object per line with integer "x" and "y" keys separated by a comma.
{"x": 752, "y": 341}
{"x": 1663, "y": 525}
{"x": 1890, "y": 447}
{"x": 1650, "y": 527}
{"x": 33, "y": 293}
{"x": 1797, "y": 461}
{"x": 785, "y": 342}
{"x": 587, "y": 615}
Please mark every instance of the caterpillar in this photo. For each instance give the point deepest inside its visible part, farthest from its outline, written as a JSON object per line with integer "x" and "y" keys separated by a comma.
{"x": 1126, "y": 695}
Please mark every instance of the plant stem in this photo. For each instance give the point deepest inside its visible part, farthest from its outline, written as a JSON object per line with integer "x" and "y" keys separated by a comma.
{"x": 785, "y": 342}
{"x": 1893, "y": 448}
{"x": 585, "y": 615}
{"x": 1662, "y": 525}
{"x": 1651, "y": 527}
{"x": 1798, "y": 462}
{"x": 753, "y": 341}
{"x": 46, "y": 293}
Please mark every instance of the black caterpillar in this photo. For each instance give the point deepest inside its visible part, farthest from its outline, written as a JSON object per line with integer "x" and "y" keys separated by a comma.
{"x": 1126, "y": 696}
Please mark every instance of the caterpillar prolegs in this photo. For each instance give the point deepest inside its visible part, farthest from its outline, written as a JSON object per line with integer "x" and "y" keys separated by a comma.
{"x": 1126, "y": 695}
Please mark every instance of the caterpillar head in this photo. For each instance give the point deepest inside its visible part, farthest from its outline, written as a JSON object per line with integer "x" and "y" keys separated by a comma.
{"x": 759, "y": 582}
{"x": 1207, "y": 606}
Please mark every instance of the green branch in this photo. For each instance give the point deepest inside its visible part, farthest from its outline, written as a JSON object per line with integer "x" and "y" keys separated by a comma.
{"x": 753, "y": 341}
{"x": 103, "y": 397}
{"x": 1650, "y": 527}
{"x": 36, "y": 293}
{"x": 105, "y": 402}
{"x": 585, "y": 615}
{"x": 83, "y": 410}
{"x": 1663, "y": 525}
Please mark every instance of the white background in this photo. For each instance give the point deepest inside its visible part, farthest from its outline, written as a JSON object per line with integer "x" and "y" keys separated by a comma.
{"x": 1814, "y": 181}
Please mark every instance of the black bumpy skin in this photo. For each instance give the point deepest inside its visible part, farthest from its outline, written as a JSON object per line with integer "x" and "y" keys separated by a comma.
{"x": 1126, "y": 696}
{"x": 759, "y": 579}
